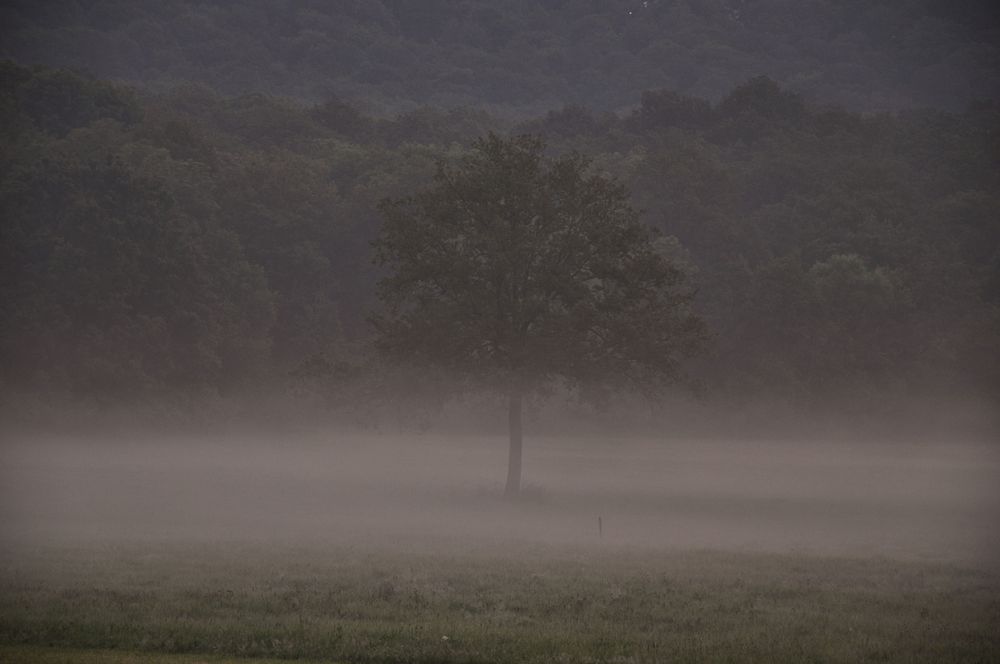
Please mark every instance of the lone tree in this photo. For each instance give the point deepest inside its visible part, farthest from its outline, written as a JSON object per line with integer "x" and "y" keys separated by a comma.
{"x": 517, "y": 269}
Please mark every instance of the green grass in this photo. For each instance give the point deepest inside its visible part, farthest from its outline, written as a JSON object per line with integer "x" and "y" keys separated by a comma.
{"x": 529, "y": 605}
{"x": 43, "y": 655}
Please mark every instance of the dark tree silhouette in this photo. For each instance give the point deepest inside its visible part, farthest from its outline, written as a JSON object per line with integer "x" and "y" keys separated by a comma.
{"x": 518, "y": 269}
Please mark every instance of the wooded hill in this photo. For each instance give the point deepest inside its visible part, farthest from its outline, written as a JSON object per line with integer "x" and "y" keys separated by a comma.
{"x": 523, "y": 58}
{"x": 155, "y": 243}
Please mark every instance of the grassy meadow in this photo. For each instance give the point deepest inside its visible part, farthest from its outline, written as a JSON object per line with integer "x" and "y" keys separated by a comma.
{"x": 362, "y": 551}
{"x": 476, "y": 606}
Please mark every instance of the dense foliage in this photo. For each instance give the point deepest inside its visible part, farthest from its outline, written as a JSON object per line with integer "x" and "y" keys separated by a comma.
{"x": 518, "y": 269}
{"x": 525, "y": 56}
{"x": 189, "y": 241}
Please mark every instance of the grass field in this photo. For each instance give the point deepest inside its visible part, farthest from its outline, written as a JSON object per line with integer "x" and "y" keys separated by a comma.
{"x": 45, "y": 655}
{"x": 708, "y": 554}
{"x": 540, "y": 605}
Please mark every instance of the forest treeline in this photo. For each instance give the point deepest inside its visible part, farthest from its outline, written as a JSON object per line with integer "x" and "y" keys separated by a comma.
{"x": 186, "y": 241}
{"x": 525, "y": 57}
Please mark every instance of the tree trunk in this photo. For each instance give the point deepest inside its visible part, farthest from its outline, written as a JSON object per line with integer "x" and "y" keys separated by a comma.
{"x": 514, "y": 460}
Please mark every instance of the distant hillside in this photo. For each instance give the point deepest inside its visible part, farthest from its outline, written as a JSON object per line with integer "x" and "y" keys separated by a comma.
{"x": 526, "y": 57}
{"x": 169, "y": 243}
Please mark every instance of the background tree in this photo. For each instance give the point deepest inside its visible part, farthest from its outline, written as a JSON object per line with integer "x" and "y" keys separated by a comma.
{"x": 516, "y": 269}
{"x": 168, "y": 245}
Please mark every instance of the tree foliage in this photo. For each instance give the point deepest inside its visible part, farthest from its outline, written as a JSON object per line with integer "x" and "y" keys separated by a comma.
{"x": 516, "y": 269}
{"x": 161, "y": 242}
{"x": 524, "y": 269}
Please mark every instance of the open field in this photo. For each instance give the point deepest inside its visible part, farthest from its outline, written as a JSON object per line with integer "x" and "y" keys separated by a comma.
{"x": 541, "y": 606}
{"x": 377, "y": 549}
{"x": 44, "y": 655}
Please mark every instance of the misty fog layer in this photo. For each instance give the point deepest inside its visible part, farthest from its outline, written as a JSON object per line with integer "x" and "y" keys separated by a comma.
{"x": 924, "y": 501}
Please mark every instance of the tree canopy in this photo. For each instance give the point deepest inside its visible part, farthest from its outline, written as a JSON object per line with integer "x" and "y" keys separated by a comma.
{"x": 525, "y": 268}
{"x": 519, "y": 269}
{"x": 154, "y": 244}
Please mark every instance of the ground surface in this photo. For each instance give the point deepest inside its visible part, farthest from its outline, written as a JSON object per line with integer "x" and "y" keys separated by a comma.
{"x": 45, "y": 655}
{"x": 379, "y": 549}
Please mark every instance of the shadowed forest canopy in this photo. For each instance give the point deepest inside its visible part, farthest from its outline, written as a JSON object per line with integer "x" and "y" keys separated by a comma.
{"x": 515, "y": 270}
{"x": 525, "y": 57}
{"x": 155, "y": 242}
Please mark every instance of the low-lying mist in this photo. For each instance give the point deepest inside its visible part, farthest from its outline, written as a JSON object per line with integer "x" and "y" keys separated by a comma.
{"x": 932, "y": 499}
